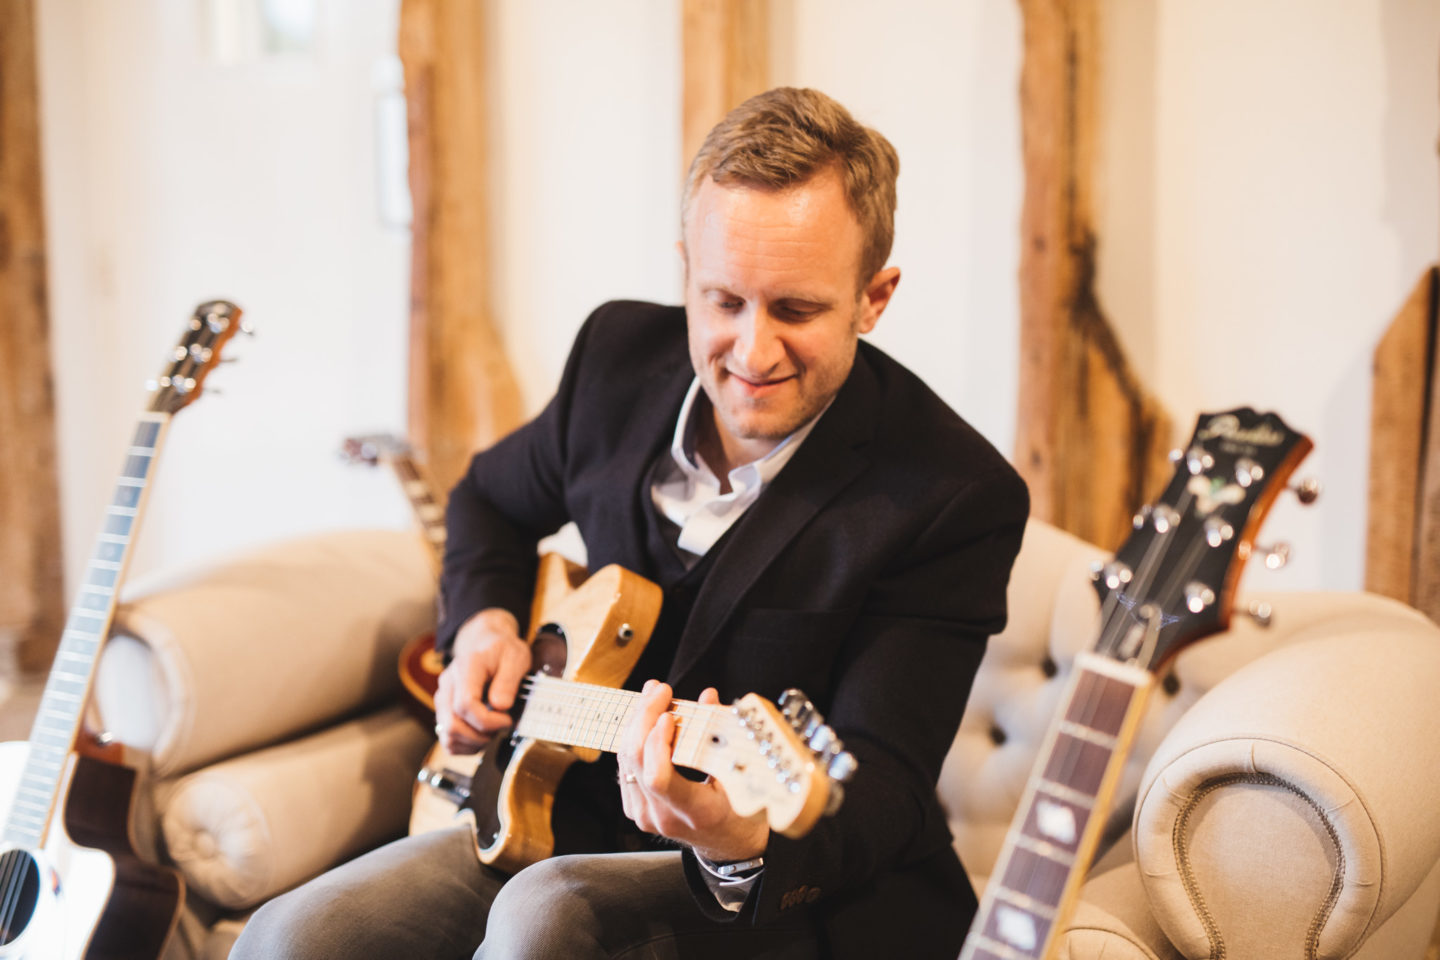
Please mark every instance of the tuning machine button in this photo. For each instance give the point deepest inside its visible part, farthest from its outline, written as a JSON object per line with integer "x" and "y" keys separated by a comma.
{"x": 1198, "y": 460}
{"x": 842, "y": 766}
{"x": 1218, "y": 531}
{"x": 1247, "y": 471}
{"x": 1307, "y": 491}
{"x": 1261, "y": 612}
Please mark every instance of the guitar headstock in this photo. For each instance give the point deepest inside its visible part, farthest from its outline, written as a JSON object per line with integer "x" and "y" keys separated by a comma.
{"x": 374, "y": 448}
{"x": 1173, "y": 580}
{"x": 198, "y": 352}
{"x": 785, "y": 761}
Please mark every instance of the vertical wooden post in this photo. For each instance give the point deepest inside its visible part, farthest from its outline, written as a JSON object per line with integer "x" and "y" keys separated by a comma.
{"x": 31, "y": 581}
{"x": 726, "y": 49}
{"x": 1091, "y": 441}
{"x": 1402, "y": 545}
{"x": 463, "y": 395}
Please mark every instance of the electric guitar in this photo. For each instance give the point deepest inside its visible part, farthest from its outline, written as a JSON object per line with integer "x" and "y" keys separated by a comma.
{"x": 420, "y": 665}
{"x": 1171, "y": 583}
{"x": 586, "y": 636}
{"x": 71, "y": 885}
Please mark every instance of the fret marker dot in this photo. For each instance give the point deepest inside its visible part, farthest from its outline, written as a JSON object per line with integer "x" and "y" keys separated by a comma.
{"x": 1016, "y": 927}
{"x": 1055, "y": 821}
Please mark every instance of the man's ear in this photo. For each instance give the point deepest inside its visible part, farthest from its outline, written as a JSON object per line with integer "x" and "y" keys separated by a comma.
{"x": 876, "y": 297}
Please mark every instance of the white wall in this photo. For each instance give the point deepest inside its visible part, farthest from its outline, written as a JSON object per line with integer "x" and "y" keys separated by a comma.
{"x": 1296, "y": 202}
{"x": 172, "y": 179}
{"x": 1271, "y": 197}
{"x": 941, "y": 81}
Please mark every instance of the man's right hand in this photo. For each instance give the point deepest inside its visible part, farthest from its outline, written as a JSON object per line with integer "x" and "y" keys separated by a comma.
{"x": 481, "y": 682}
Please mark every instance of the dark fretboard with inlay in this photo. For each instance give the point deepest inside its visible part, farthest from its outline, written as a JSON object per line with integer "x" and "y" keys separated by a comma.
{"x": 1061, "y": 812}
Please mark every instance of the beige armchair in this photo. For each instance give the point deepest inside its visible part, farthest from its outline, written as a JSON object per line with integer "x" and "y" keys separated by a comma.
{"x": 1278, "y": 801}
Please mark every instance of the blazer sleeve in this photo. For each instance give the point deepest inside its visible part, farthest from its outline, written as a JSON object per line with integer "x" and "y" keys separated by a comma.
{"x": 903, "y": 677}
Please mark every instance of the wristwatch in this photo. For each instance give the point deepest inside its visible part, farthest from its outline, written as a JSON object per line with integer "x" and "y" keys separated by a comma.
{"x": 735, "y": 869}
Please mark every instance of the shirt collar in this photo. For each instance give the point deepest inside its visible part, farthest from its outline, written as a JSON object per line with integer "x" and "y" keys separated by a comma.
{"x": 745, "y": 477}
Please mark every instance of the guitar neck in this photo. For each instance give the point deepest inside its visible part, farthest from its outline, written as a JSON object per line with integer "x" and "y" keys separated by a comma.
{"x": 427, "y": 509}
{"x": 57, "y": 722}
{"x": 586, "y": 715}
{"x": 1061, "y": 814}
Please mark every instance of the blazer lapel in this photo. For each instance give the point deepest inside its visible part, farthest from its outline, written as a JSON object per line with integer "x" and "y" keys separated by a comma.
{"x": 647, "y": 433}
{"x": 831, "y": 457}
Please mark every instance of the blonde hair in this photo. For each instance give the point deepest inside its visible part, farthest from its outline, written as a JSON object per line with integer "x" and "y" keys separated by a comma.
{"x": 786, "y": 136}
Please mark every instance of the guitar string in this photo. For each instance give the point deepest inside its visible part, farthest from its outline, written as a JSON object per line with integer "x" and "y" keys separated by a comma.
{"x": 14, "y": 889}
{"x": 582, "y": 706}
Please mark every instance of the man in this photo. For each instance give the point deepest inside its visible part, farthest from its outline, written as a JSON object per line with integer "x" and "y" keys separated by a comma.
{"x": 817, "y": 518}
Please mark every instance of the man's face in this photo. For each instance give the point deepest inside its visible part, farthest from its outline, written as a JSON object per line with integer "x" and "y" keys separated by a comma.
{"x": 772, "y": 305}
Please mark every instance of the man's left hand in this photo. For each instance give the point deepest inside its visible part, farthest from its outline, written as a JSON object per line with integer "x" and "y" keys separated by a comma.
{"x": 661, "y": 801}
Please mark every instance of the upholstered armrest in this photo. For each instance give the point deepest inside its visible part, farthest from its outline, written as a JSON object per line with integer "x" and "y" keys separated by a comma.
{"x": 245, "y": 829}
{"x": 292, "y": 637}
{"x": 1291, "y": 812}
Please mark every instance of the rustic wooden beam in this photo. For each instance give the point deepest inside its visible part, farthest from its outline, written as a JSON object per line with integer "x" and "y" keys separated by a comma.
{"x": 726, "y": 49}
{"x": 463, "y": 395}
{"x": 32, "y": 604}
{"x": 1091, "y": 441}
{"x": 1402, "y": 544}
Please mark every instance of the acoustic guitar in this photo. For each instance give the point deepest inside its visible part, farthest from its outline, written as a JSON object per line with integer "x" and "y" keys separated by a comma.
{"x": 71, "y": 885}
{"x": 1170, "y": 584}
{"x": 586, "y": 635}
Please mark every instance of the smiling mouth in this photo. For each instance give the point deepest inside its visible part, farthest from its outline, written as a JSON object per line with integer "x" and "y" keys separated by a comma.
{"x": 758, "y": 384}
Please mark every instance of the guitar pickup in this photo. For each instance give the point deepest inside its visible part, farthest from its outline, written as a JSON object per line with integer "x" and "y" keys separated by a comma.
{"x": 453, "y": 786}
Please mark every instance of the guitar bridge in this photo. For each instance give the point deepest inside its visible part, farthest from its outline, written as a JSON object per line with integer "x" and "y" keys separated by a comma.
{"x": 453, "y": 786}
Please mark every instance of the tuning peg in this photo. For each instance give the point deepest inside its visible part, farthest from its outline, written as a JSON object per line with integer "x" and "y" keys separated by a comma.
{"x": 1261, "y": 612}
{"x": 842, "y": 766}
{"x": 1307, "y": 491}
{"x": 822, "y": 739}
{"x": 1275, "y": 556}
{"x": 834, "y": 799}
{"x": 247, "y": 328}
{"x": 1198, "y": 460}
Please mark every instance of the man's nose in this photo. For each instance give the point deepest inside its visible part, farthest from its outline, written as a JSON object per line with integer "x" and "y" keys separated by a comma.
{"x": 758, "y": 346}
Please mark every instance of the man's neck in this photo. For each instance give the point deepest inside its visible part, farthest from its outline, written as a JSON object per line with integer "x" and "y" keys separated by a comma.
{"x": 721, "y": 452}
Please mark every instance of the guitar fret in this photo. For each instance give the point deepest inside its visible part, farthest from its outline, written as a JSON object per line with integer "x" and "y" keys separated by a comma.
{"x": 992, "y": 950}
{"x": 130, "y": 480}
{"x": 114, "y": 538}
{"x": 1045, "y": 911}
{"x": 105, "y": 565}
{"x": 1089, "y": 734}
{"x": 1047, "y": 850}
{"x": 1065, "y": 793}
{"x": 116, "y": 511}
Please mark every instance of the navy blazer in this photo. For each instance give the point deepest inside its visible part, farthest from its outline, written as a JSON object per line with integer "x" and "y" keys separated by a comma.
{"x": 869, "y": 573}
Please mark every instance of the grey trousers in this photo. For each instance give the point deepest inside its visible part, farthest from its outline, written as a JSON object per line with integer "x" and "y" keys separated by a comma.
{"x": 429, "y": 898}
